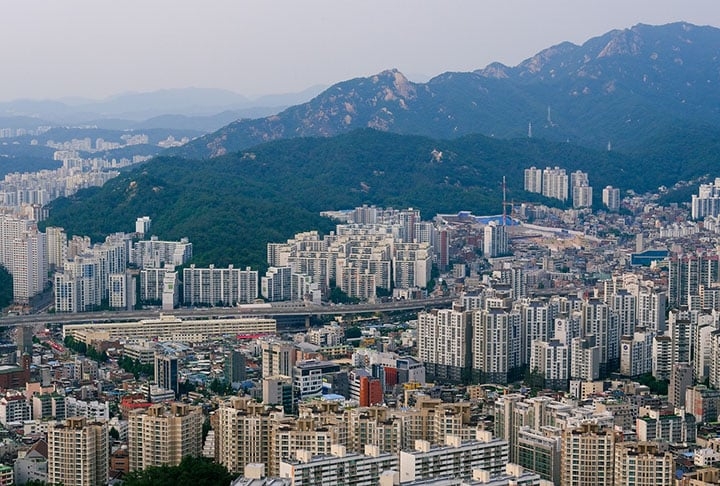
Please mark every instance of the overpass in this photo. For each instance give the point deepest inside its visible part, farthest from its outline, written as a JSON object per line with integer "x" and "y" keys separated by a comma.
{"x": 273, "y": 310}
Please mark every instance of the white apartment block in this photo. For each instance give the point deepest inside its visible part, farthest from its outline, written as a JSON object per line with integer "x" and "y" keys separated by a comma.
{"x": 92, "y": 410}
{"x": 651, "y": 309}
{"x": 219, "y": 286}
{"x": 599, "y": 320}
{"x": 152, "y": 283}
{"x": 121, "y": 292}
{"x": 77, "y": 286}
{"x": 357, "y": 284}
{"x": 555, "y": 183}
{"x": 444, "y": 338}
{"x": 412, "y": 265}
{"x": 584, "y": 359}
{"x": 537, "y": 322}
{"x": 142, "y": 225}
{"x": 707, "y": 201}
{"x": 156, "y": 253}
{"x": 276, "y": 285}
{"x": 23, "y": 254}
{"x": 302, "y": 288}
{"x": 552, "y": 360}
{"x": 28, "y": 265}
{"x": 611, "y": 198}
{"x": 495, "y": 240}
{"x": 455, "y": 459}
{"x": 495, "y": 350}
{"x": 56, "y": 246}
{"x": 340, "y": 467}
{"x": 636, "y": 353}
{"x": 662, "y": 357}
{"x": 533, "y": 180}
{"x": 582, "y": 196}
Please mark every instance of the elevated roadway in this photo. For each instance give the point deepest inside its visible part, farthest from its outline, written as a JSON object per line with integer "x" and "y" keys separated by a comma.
{"x": 278, "y": 309}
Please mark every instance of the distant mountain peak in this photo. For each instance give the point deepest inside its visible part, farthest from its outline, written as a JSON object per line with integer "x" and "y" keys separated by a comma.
{"x": 622, "y": 42}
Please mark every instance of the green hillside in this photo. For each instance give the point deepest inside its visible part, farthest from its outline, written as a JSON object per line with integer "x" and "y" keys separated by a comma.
{"x": 231, "y": 206}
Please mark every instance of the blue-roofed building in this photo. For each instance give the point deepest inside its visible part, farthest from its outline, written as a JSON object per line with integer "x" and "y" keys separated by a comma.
{"x": 647, "y": 257}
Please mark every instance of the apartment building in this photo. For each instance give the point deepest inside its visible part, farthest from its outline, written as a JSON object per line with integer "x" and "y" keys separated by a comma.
{"x": 164, "y": 434}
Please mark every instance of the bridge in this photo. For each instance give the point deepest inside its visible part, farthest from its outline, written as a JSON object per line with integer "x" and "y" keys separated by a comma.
{"x": 272, "y": 310}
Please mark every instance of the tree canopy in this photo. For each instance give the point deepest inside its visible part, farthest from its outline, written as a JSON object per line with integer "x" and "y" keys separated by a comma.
{"x": 198, "y": 471}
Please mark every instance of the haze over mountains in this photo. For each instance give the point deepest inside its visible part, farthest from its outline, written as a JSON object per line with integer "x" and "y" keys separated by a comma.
{"x": 189, "y": 108}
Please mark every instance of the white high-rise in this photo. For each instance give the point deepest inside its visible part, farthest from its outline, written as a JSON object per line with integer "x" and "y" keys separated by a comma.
{"x": 495, "y": 240}
{"x": 211, "y": 286}
{"x": 707, "y": 201}
{"x": 496, "y": 344}
{"x": 533, "y": 180}
{"x": 28, "y": 265}
{"x": 611, "y": 198}
{"x": 444, "y": 342}
{"x": 555, "y": 183}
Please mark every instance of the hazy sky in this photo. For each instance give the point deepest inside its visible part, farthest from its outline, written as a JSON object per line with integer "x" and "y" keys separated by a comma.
{"x": 96, "y": 48}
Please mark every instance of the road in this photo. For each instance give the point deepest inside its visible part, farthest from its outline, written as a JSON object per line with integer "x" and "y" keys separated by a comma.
{"x": 208, "y": 312}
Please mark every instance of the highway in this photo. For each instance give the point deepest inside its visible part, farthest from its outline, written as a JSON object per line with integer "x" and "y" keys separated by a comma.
{"x": 276, "y": 309}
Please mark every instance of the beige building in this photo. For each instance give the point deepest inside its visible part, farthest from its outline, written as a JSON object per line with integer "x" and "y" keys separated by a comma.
{"x": 78, "y": 452}
{"x": 643, "y": 464}
{"x": 243, "y": 433}
{"x": 163, "y": 435}
{"x": 586, "y": 456}
{"x": 278, "y": 357}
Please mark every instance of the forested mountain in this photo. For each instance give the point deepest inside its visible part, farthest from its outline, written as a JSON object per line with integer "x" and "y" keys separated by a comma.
{"x": 231, "y": 206}
{"x": 617, "y": 88}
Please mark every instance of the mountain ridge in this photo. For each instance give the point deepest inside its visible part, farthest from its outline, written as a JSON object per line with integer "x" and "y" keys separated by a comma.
{"x": 613, "y": 87}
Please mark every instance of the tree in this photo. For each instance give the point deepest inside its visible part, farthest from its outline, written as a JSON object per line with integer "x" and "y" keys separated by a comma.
{"x": 353, "y": 332}
{"x": 220, "y": 387}
{"x": 198, "y": 471}
{"x": 6, "y": 287}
